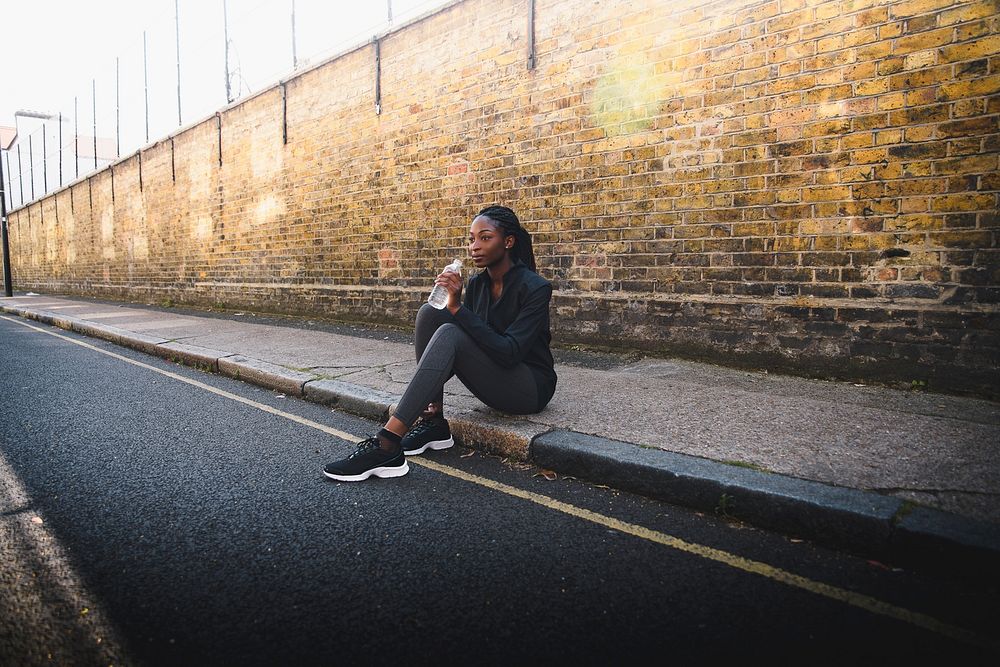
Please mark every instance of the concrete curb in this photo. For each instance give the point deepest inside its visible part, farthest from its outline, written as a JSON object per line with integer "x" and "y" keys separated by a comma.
{"x": 264, "y": 374}
{"x": 192, "y": 355}
{"x": 928, "y": 537}
{"x": 863, "y": 522}
{"x": 352, "y": 398}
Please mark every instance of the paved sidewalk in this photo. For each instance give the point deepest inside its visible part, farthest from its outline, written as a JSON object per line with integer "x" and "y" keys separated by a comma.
{"x": 901, "y": 475}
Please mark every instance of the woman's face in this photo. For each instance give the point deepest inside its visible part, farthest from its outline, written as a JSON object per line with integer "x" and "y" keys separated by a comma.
{"x": 487, "y": 244}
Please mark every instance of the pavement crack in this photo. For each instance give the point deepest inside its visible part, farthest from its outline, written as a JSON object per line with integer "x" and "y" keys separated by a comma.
{"x": 312, "y": 369}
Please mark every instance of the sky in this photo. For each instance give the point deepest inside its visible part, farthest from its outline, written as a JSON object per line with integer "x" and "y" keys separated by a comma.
{"x": 61, "y": 55}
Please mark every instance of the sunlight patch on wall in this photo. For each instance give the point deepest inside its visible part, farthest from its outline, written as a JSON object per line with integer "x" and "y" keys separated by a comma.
{"x": 270, "y": 209}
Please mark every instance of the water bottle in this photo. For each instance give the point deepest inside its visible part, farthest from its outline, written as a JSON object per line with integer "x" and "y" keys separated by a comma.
{"x": 439, "y": 295}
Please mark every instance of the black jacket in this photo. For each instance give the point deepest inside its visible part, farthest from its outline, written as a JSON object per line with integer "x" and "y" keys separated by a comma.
{"x": 515, "y": 329}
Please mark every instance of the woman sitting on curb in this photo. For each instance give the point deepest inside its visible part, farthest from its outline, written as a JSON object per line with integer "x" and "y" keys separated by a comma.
{"x": 496, "y": 342}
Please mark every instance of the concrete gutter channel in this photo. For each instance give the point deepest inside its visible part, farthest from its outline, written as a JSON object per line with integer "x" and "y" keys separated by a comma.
{"x": 866, "y": 523}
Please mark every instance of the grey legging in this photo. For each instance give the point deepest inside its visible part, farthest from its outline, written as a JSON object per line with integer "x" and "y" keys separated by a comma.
{"x": 445, "y": 349}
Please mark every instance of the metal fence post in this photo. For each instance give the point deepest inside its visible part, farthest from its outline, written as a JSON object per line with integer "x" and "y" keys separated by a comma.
{"x": 20, "y": 174}
{"x": 531, "y": 34}
{"x": 378, "y": 75}
{"x": 295, "y": 56}
{"x": 118, "y": 113}
{"x": 45, "y": 160}
{"x": 31, "y": 167}
{"x": 94, "y": 97}
{"x": 76, "y": 137}
{"x": 177, "y": 33}
{"x": 145, "y": 81}
{"x": 225, "y": 36}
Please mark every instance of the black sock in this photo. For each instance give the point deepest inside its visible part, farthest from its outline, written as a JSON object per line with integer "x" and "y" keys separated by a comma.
{"x": 388, "y": 440}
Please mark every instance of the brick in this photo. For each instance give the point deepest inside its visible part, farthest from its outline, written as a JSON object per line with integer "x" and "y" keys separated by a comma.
{"x": 987, "y": 46}
{"x": 923, "y": 40}
{"x": 956, "y": 239}
{"x": 988, "y": 85}
{"x": 964, "y": 202}
{"x": 975, "y": 29}
{"x": 916, "y": 7}
{"x": 969, "y": 127}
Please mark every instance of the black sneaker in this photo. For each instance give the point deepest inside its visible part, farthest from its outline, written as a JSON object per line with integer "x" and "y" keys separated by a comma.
{"x": 428, "y": 433}
{"x": 369, "y": 459}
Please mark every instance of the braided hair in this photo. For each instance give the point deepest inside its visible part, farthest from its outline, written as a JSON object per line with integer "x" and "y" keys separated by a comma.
{"x": 507, "y": 222}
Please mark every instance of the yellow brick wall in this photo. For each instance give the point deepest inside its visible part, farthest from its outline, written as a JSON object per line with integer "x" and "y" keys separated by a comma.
{"x": 830, "y": 153}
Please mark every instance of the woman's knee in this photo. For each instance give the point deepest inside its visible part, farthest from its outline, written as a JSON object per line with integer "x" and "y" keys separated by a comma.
{"x": 429, "y": 316}
{"x": 446, "y": 333}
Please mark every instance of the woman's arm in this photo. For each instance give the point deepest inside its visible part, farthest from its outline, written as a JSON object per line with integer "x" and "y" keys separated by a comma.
{"x": 510, "y": 347}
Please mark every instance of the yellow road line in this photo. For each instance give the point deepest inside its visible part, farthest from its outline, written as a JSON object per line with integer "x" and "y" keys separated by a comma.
{"x": 738, "y": 562}
{"x": 852, "y": 598}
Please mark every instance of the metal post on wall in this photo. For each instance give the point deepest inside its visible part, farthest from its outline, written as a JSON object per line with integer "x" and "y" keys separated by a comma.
{"x": 145, "y": 81}
{"x": 31, "y": 167}
{"x": 295, "y": 55}
{"x": 60, "y": 149}
{"x": 20, "y": 174}
{"x": 45, "y": 160}
{"x": 531, "y": 34}
{"x": 284, "y": 114}
{"x": 76, "y": 137}
{"x": 225, "y": 36}
{"x": 94, "y": 98}
{"x": 118, "y": 113}
{"x": 378, "y": 75}
{"x": 8, "y": 288}
{"x": 177, "y": 34}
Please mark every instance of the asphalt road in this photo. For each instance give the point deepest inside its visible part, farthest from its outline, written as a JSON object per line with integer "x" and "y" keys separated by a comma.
{"x": 152, "y": 514}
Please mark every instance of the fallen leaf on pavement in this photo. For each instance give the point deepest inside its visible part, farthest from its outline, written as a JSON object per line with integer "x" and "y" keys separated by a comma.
{"x": 547, "y": 474}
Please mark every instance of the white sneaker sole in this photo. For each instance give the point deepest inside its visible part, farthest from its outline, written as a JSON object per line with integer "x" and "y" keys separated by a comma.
{"x": 384, "y": 471}
{"x": 433, "y": 444}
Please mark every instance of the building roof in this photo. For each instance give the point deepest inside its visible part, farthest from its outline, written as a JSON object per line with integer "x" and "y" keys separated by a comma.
{"x": 7, "y": 137}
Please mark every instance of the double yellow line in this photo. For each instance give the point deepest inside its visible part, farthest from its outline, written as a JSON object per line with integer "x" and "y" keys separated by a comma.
{"x": 852, "y": 598}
